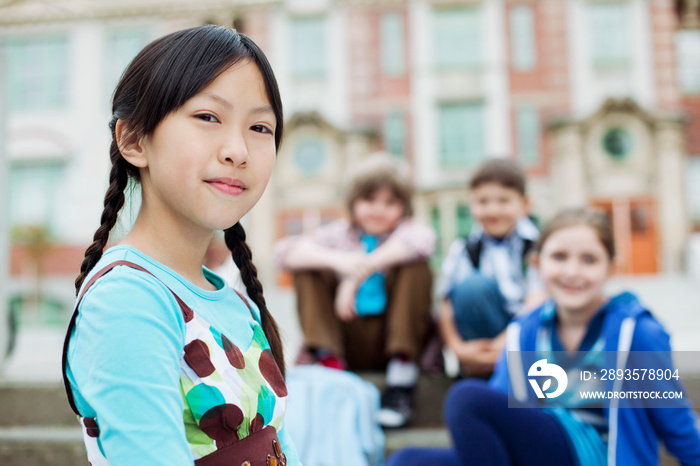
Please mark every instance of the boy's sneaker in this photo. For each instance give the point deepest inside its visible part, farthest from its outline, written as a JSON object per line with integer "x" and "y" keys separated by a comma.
{"x": 397, "y": 407}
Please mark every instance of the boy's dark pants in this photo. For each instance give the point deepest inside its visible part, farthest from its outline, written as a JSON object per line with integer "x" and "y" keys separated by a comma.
{"x": 367, "y": 342}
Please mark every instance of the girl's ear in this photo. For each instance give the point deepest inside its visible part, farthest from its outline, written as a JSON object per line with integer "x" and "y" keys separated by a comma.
{"x": 130, "y": 144}
{"x": 535, "y": 259}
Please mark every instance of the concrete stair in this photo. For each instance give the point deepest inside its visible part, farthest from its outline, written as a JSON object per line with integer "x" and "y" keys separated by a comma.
{"x": 426, "y": 427}
{"x": 38, "y": 428}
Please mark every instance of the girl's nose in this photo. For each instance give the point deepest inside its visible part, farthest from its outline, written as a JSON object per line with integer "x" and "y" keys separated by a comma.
{"x": 234, "y": 149}
{"x": 571, "y": 268}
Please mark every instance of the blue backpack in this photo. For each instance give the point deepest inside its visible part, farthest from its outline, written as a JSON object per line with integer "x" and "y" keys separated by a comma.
{"x": 331, "y": 417}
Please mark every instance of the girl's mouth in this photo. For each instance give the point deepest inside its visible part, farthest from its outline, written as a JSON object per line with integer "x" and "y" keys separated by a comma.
{"x": 227, "y": 185}
{"x": 571, "y": 288}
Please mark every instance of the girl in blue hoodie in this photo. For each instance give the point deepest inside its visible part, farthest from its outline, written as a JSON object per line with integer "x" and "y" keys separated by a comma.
{"x": 579, "y": 329}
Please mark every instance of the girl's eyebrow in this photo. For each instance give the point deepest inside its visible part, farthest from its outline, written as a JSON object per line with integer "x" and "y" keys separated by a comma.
{"x": 264, "y": 109}
{"x": 219, "y": 99}
{"x": 229, "y": 106}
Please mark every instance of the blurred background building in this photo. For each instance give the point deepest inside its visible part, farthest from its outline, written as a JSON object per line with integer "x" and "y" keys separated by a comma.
{"x": 598, "y": 99}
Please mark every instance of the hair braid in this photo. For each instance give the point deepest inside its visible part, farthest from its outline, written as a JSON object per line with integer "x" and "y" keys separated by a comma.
{"x": 243, "y": 257}
{"x": 113, "y": 202}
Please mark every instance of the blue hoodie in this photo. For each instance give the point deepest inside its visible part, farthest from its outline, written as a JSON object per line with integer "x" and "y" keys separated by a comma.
{"x": 633, "y": 434}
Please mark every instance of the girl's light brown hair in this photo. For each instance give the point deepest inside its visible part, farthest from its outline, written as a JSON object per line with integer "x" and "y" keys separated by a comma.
{"x": 597, "y": 219}
{"x": 377, "y": 172}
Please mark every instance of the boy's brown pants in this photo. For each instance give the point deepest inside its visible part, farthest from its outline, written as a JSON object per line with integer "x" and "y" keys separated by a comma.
{"x": 367, "y": 342}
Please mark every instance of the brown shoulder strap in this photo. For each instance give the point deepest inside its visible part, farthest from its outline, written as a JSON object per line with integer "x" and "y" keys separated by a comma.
{"x": 186, "y": 311}
{"x": 93, "y": 279}
{"x": 240, "y": 295}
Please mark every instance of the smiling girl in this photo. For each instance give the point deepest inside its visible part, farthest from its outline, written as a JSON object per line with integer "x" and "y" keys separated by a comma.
{"x": 163, "y": 362}
{"x": 506, "y": 422}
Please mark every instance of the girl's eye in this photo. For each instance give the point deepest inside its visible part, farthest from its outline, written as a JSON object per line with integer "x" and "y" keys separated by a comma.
{"x": 261, "y": 129}
{"x": 589, "y": 259}
{"x": 207, "y": 117}
{"x": 559, "y": 256}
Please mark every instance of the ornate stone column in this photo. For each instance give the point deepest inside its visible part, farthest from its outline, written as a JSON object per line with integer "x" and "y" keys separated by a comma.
{"x": 568, "y": 168}
{"x": 4, "y": 227}
{"x": 673, "y": 215}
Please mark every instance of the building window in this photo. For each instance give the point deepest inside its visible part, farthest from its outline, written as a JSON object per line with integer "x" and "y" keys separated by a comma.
{"x": 693, "y": 188}
{"x": 38, "y": 72}
{"x": 457, "y": 38}
{"x": 395, "y": 134}
{"x": 436, "y": 223}
{"x": 392, "y": 45}
{"x": 465, "y": 221}
{"x": 617, "y": 143}
{"x": 310, "y": 156}
{"x": 522, "y": 38}
{"x": 527, "y": 122}
{"x": 309, "y": 47}
{"x": 121, "y": 47}
{"x": 688, "y": 60}
{"x": 609, "y": 32}
{"x": 461, "y": 133}
{"x": 33, "y": 188}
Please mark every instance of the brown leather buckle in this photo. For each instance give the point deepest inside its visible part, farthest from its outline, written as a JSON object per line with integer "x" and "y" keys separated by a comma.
{"x": 277, "y": 448}
{"x": 245, "y": 463}
{"x": 280, "y": 458}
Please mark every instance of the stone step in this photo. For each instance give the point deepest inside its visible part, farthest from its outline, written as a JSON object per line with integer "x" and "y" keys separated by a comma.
{"x": 429, "y": 397}
{"x": 42, "y": 446}
{"x": 63, "y": 446}
{"x": 396, "y": 439}
{"x": 25, "y": 403}
{"x": 38, "y": 428}
{"x": 35, "y": 403}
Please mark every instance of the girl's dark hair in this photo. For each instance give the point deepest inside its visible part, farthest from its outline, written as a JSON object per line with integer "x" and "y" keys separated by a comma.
{"x": 160, "y": 79}
{"x": 597, "y": 219}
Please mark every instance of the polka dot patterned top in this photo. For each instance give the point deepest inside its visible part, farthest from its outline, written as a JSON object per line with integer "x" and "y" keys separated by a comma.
{"x": 229, "y": 392}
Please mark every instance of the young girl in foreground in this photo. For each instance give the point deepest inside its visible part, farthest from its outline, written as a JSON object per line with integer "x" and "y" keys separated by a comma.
{"x": 574, "y": 256}
{"x": 163, "y": 362}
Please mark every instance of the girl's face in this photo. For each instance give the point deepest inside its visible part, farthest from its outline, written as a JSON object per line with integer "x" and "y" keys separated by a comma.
{"x": 574, "y": 266}
{"x": 208, "y": 163}
{"x": 379, "y": 213}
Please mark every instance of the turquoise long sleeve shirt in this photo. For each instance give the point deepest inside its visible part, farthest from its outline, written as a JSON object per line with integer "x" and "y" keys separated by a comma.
{"x": 125, "y": 351}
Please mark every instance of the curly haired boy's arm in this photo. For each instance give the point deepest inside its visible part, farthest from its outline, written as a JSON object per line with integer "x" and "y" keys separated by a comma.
{"x": 305, "y": 255}
{"x": 392, "y": 252}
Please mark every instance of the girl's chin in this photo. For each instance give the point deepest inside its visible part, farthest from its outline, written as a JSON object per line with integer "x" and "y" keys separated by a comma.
{"x": 577, "y": 306}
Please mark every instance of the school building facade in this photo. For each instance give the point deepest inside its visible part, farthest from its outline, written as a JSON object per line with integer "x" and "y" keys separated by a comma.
{"x": 598, "y": 99}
